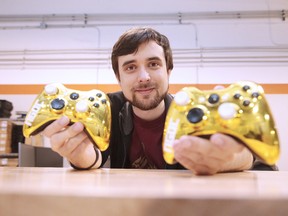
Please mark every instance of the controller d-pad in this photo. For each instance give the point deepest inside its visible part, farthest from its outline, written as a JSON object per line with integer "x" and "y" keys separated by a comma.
{"x": 195, "y": 115}
{"x": 213, "y": 98}
{"x": 58, "y": 104}
{"x": 74, "y": 96}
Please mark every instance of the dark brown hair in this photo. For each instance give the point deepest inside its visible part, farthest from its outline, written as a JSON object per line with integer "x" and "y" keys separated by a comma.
{"x": 130, "y": 40}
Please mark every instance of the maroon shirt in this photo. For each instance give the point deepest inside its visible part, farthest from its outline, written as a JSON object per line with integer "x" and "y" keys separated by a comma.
{"x": 146, "y": 145}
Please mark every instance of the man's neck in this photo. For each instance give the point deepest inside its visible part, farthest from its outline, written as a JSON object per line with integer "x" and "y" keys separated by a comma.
{"x": 150, "y": 114}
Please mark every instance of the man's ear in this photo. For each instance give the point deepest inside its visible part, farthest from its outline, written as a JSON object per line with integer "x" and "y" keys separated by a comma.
{"x": 169, "y": 72}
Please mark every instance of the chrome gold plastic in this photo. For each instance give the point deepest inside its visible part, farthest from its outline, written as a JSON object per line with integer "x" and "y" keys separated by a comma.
{"x": 92, "y": 108}
{"x": 239, "y": 110}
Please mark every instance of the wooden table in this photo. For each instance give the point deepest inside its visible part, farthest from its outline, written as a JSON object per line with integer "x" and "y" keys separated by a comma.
{"x": 64, "y": 191}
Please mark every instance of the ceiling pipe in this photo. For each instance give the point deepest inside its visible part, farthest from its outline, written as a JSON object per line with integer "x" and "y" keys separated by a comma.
{"x": 281, "y": 14}
{"x": 44, "y": 21}
{"x": 182, "y": 57}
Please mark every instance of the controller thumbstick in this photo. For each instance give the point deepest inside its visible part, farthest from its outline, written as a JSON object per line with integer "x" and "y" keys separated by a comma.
{"x": 227, "y": 111}
{"x": 51, "y": 89}
{"x": 195, "y": 115}
{"x": 58, "y": 104}
{"x": 181, "y": 98}
{"x": 82, "y": 107}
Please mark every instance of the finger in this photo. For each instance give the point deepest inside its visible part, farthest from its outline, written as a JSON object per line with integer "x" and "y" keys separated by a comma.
{"x": 81, "y": 146}
{"x": 198, "y": 163}
{"x": 56, "y": 126}
{"x": 197, "y": 152}
{"x": 59, "y": 139}
{"x": 198, "y": 169}
{"x": 72, "y": 144}
{"x": 226, "y": 142}
{"x": 194, "y": 144}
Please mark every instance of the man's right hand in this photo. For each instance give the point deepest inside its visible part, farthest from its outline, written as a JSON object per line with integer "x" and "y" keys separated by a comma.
{"x": 72, "y": 142}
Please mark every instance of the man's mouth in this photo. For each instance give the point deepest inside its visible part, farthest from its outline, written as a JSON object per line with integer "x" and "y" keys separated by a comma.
{"x": 144, "y": 91}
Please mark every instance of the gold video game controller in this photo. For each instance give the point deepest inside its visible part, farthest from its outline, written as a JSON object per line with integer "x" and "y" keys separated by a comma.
{"x": 92, "y": 108}
{"x": 240, "y": 110}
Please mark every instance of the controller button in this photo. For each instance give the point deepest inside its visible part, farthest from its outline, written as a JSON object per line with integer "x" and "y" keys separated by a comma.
{"x": 99, "y": 95}
{"x": 227, "y": 111}
{"x": 82, "y": 107}
{"x": 246, "y": 103}
{"x": 225, "y": 97}
{"x": 195, "y": 115}
{"x": 201, "y": 99}
{"x": 213, "y": 98}
{"x": 51, "y": 89}
{"x": 91, "y": 99}
{"x": 58, "y": 104}
{"x": 104, "y": 101}
{"x": 255, "y": 94}
{"x": 74, "y": 96}
{"x": 246, "y": 87}
{"x": 181, "y": 98}
{"x": 237, "y": 96}
{"x": 96, "y": 105}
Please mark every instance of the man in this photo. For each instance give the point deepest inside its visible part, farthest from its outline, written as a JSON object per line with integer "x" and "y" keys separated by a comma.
{"x": 142, "y": 62}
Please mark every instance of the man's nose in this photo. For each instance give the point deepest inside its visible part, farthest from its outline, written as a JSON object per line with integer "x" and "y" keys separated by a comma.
{"x": 144, "y": 75}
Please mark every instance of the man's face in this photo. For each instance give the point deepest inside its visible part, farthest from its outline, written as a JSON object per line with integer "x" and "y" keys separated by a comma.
{"x": 144, "y": 78}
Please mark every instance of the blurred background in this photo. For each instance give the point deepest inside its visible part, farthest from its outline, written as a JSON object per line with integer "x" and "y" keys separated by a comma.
{"x": 68, "y": 41}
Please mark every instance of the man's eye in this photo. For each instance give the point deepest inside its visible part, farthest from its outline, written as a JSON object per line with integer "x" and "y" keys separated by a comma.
{"x": 130, "y": 68}
{"x": 154, "y": 64}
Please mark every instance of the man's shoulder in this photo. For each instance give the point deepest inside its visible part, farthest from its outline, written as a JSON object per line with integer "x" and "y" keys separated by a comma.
{"x": 169, "y": 98}
{"x": 116, "y": 95}
{"x": 117, "y": 98}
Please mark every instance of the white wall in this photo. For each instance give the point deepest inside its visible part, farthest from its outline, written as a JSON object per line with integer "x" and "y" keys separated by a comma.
{"x": 199, "y": 35}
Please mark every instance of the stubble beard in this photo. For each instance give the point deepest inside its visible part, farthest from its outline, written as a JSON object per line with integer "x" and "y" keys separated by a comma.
{"x": 148, "y": 103}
